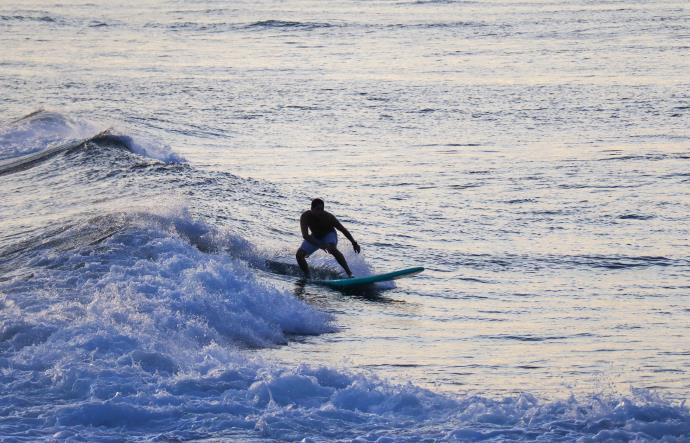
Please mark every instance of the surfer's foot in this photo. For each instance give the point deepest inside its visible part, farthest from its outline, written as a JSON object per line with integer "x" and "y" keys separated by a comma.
{"x": 350, "y": 275}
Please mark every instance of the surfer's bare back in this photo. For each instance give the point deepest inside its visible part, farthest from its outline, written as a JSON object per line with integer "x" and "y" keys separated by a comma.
{"x": 322, "y": 225}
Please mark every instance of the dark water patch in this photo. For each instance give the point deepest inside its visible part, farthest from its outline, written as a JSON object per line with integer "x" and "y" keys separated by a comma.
{"x": 627, "y": 327}
{"x": 438, "y": 2}
{"x": 548, "y": 212}
{"x": 593, "y": 186}
{"x": 40, "y": 18}
{"x": 282, "y": 24}
{"x": 650, "y": 156}
{"x": 610, "y": 350}
{"x": 212, "y": 27}
{"x": 194, "y": 26}
{"x": 476, "y": 280}
{"x": 450, "y": 145}
{"x": 623, "y": 262}
{"x": 99, "y": 24}
{"x": 48, "y": 19}
{"x": 200, "y": 11}
{"x": 303, "y": 107}
{"x": 520, "y": 200}
{"x": 533, "y": 338}
{"x": 249, "y": 116}
{"x": 642, "y": 157}
{"x": 678, "y": 174}
{"x": 438, "y": 25}
{"x": 465, "y": 186}
{"x": 539, "y": 263}
{"x": 396, "y": 365}
{"x": 635, "y": 217}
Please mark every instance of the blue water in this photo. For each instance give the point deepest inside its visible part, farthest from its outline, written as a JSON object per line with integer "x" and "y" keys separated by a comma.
{"x": 155, "y": 159}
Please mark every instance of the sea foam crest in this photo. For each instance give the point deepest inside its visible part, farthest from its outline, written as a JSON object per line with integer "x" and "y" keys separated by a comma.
{"x": 42, "y": 130}
{"x": 148, "y": 146}
{"x": 45, "y": 130}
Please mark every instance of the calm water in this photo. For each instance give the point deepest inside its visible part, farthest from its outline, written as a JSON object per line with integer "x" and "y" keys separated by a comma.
{"x": 534, "y": 157}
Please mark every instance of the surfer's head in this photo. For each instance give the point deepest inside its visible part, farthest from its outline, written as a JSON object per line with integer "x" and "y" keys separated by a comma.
{"x": 317, "y": 204}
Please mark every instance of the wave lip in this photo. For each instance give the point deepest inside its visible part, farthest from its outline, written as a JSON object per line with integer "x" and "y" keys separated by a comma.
{"x": 42, "y": 134}
{"x": 147, "y": 147}
{"x": 42, "y": 130}
{"x": 27, "y": 161}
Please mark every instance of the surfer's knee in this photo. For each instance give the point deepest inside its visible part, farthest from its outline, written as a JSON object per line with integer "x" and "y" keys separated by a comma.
{"x": 300, "y": 254}
{"x": 332, "y": 249}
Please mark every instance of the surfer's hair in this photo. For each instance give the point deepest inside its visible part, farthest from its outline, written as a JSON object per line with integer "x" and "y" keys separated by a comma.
{"x": 316, "y": 203}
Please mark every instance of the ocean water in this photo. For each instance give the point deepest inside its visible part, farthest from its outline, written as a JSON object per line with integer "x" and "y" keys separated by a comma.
{"x": 533, "y": 156}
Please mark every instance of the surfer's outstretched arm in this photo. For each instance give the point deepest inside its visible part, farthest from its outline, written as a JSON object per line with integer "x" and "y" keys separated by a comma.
{"x": 347, "y": 234}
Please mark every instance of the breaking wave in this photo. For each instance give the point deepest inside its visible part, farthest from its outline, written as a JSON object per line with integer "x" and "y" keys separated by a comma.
{"x": 42, "y": 134}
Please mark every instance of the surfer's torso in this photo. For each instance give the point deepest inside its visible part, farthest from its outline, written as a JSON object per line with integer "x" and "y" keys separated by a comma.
{"x": 319, "y": 223}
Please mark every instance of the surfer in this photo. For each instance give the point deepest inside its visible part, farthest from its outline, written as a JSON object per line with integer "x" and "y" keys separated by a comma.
{"x": 322, "y": 225}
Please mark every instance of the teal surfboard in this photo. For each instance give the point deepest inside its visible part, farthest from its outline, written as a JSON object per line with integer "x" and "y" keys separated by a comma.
{"x": 369, "y": 279}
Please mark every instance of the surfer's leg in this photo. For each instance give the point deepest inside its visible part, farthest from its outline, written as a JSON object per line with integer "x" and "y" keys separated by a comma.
{"x": 305, "y": 250}
{"x": 301, "y": 257}
{"x": 333, "y": 250}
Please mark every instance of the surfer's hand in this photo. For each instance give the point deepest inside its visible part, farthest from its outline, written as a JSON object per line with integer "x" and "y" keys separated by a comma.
{"x": 356, "y": 247}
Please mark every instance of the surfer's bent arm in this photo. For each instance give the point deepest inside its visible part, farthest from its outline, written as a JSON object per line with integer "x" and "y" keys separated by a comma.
{"x": 305, "y": 232}
{"x": 347, "y": 234}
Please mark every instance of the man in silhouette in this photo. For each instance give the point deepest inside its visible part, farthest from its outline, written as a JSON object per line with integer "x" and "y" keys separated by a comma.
{"x": 322, "y": 226}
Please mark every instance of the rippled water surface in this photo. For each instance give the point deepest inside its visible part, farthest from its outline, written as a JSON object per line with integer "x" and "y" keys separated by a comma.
{"x": 533, "y": 156}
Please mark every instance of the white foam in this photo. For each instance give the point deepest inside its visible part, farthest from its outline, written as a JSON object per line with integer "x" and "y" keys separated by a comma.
{"x": 42, "y": 130}
{"x": 144, "y": 335}
{"x": 147, "y": 146}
